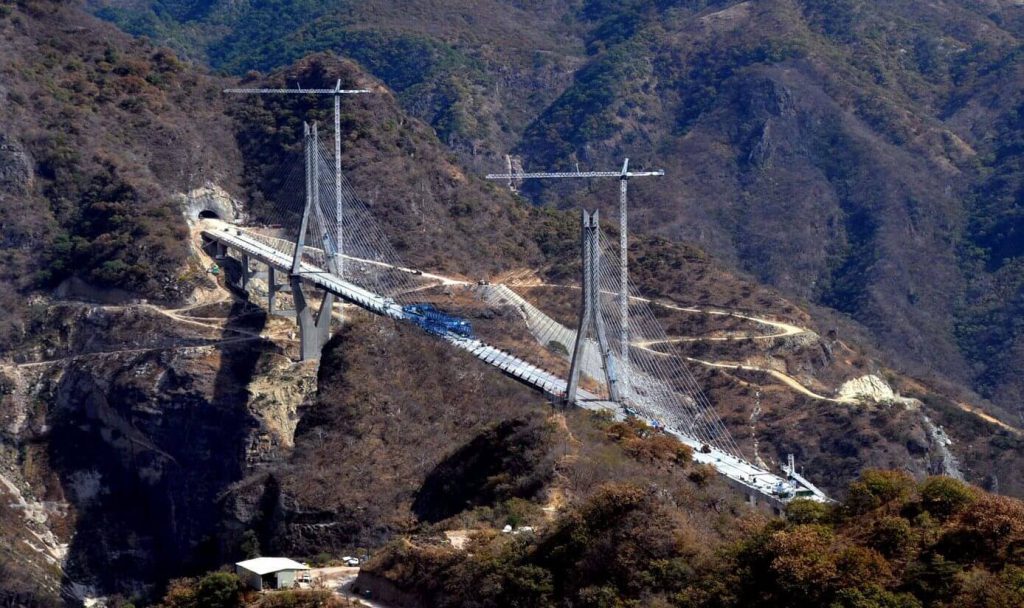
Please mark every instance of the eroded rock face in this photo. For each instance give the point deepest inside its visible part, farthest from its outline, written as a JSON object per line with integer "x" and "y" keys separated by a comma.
{"x": 15, "y": 166}
{"x": 395, "y": 417}
{"x": 130, "y": 428}
{"x": 867, "y": 387}
{"x": 142, "y": 446}
{"x": 874, "y": 388}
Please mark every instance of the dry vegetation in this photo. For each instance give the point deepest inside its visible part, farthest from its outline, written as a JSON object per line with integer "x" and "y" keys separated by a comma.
{"x": 396, "y": 416}
{"x": 893, "y": 543}
{"x": 408, "y": 436}
{"x": 225, "y": 590}
{"x": 101, "y": 131}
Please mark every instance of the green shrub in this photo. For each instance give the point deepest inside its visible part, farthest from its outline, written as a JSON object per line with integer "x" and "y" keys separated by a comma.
{"x": 891, "y": 536}
{"x": 944, "y": 497}
{"x": 219, "y": 590}
{"x": 250, "y": 544}
{"x": 877, "y": 488}
{"x": 558, "y": 348}
{"x": 978, "y": 587}
{"x": 873, "y": 596}
{"x": 804, "y": 511}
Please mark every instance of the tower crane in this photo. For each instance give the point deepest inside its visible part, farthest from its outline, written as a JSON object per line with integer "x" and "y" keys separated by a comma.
{"x": 336, "y": 92}
{"x": 623, "y": 176}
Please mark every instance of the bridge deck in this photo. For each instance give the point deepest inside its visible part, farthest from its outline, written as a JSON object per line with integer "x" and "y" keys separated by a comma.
{"x": 739, "y": 471}
{"x": 311, "y": 274}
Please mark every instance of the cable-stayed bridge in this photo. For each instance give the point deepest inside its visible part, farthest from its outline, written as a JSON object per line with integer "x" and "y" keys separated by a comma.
{"x": 322, "y": 242}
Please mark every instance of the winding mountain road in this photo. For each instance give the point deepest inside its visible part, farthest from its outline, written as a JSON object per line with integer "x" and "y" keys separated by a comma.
{"x": 786, "y": 379}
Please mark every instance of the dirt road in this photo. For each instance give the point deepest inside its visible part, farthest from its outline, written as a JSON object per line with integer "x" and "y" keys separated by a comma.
{"x": 339, "y": 579}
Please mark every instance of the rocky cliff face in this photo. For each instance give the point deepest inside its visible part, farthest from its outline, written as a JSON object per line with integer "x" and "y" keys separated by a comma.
{"x": 16, "y": 167}
{"x": 397, "y": 416}
{"x": 129, "y": 425}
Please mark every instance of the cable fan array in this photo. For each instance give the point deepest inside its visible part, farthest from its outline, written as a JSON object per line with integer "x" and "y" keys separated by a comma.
{"x": 355, "y": 249}
{"x": 656, "y": 384}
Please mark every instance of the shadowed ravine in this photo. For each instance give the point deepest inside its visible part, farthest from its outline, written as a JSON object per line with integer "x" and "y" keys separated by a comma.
{"x": 143, "y": 446}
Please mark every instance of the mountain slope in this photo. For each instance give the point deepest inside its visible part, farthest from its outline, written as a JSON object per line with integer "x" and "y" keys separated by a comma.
{"x": 101, "y": 132}
{"x": 449, "y": 62}
{"x": 855, "y": 155}
{"x": 831, "y": 149}
{"x": 143, "y": 440}
{"x": 891, "y": 543}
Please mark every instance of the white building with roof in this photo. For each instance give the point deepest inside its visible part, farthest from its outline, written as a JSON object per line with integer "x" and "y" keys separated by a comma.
{"x": 269, "y": 572}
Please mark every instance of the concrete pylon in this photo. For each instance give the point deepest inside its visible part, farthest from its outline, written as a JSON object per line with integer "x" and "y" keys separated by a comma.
{"x": 590, "y": 313}
{"x": 328, "y": 246}
{"x": 313, "y": 332}
{"x": 300, "y": 239}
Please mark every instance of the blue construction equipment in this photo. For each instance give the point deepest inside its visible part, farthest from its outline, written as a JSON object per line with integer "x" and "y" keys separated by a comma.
{"x": 437, "y": 322}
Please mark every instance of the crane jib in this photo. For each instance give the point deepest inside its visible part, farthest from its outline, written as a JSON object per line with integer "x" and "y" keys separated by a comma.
{"x": 579, "y": 175}
{"x": 298, "y": 91}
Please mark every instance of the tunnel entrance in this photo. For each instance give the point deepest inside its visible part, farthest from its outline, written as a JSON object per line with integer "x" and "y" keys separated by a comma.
{"x": 206, "y": 214}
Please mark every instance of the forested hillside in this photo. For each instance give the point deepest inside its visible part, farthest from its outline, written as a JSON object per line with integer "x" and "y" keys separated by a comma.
{"x": 858, "y": 155}
{"x": 891, "y": 544}
{"x": 101, "y": 134}
{"x": 155, "y": 422}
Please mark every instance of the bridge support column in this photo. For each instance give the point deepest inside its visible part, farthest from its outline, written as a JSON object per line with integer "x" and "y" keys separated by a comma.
{"x": 590, "y": 315}
{"x": 313, "y": 331}
{"x": 246, "y": 272}
{"x": 271, "y": 290}
{"x": 323, "y": 317}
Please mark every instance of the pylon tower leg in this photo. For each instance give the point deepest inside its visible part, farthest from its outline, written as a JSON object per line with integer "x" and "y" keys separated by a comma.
{"x": 309, "y": 337}
{"x": 314, "y": 330}
{"x": 580, "y": 345}
{"x": 246, "y": 272}
{"x": 590, "y": 315}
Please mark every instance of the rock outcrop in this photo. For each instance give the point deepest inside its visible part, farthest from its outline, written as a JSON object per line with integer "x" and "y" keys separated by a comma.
{"x": 873, "y": 388}
{"x": 15, "y": 167}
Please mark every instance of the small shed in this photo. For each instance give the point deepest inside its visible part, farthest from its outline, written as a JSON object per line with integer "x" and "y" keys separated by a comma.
{"x": 269, "y": 572}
